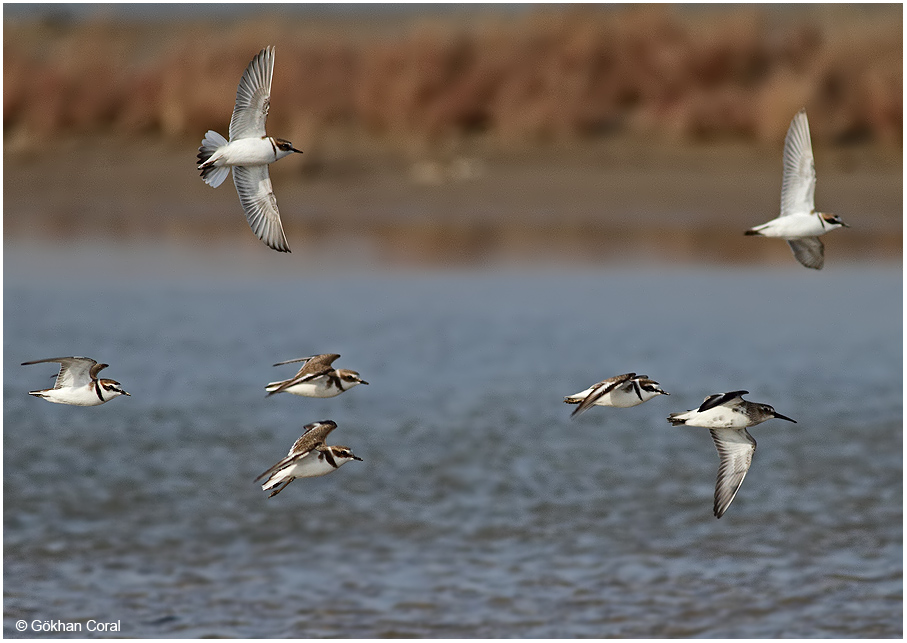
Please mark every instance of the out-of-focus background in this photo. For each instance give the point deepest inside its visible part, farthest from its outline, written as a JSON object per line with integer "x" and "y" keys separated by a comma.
{"x": 460, "y": 134}
{"x": 497, "y": 206}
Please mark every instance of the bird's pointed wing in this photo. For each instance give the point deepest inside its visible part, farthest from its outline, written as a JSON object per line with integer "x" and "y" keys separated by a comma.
{"x": 735, "y": 448}
{"x": 600, "y": 389}
{"x": 799, "y": 184}
{"x": 97, "y": 368}
{"x": 721, "y": 398}
{"x": 810, "y": 251}
{"x": 74, "y": 371}
{"x": 257, "y": 197}
{"x": 294, "y": 360}
{"x": 318, "y": 363}
{"x": 315, "y": 362}
{"x": 313, "y": 436}
{"x": 253, "y": 98}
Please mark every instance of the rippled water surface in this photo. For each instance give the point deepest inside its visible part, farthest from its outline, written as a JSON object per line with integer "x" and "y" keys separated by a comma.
{"x": 480, "y": 509}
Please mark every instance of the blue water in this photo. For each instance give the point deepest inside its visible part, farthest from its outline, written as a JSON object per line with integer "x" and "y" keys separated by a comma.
{"x": 480, "y": 509}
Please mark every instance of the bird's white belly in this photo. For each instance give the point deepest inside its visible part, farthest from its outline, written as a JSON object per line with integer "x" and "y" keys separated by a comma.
{"x": 82, "y": 396}
{"x": 311, "y": 466}
{"x": 719, "y": 417}
{"x": 794, "y": 226}
{"x": 318, "y": 388}
{"x": 245, "y": 151}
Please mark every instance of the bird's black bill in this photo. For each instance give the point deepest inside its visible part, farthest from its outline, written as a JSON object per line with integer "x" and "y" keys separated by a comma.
{"x": 784, "y": 417}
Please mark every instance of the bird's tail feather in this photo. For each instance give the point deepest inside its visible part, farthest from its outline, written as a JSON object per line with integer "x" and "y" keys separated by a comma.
{"x": 276, "y": 480}
{"x": 212, "y": 175}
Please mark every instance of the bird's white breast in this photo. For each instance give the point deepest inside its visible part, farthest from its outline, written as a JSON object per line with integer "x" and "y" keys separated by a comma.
{"x": 622, "y": 398}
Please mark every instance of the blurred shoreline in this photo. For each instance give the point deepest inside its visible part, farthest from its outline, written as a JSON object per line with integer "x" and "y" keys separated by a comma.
{"x": 614, "y": 201}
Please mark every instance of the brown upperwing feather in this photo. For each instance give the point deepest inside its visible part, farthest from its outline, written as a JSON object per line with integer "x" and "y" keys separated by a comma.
{"x": 319, "y": 362}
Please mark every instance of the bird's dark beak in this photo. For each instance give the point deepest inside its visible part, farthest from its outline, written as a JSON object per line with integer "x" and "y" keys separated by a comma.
{"x": 125, "y": 393}
{"x": 845, "y": 225}
{"x": 295, "y": 150}
{"x": 784, "y": 417}
{"x": 363, "y": 382}
{"x": 356, "y": 457}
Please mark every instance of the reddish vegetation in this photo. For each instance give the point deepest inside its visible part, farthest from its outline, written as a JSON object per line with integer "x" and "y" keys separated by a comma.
{"x": 547, "y": 74}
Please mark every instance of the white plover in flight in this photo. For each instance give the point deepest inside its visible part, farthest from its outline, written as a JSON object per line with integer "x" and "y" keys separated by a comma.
{"x": 249, "y": 152}
{"x": 727, "y": 415}
{"x": 621, "y": 391}
{"x": 78, "y": 384}
{"x": 309, "y": 457}
{"x": 316, "y": 378}
{"x": 799, "y": 224}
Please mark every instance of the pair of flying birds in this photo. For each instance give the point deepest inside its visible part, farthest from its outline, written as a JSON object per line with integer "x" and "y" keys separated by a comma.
{"x": 250, "y": 150}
